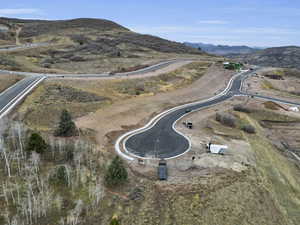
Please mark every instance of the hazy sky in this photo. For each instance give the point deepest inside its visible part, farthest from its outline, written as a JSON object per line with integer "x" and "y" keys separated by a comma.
{"x": 233, "y": 22}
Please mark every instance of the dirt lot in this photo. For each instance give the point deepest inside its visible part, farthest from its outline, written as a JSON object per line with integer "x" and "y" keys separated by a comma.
{"x": 137, "y": 111}
{"x": 254, "y": 183}
{"x": 8, "y": 80}
{"x": 285, "y": 87}
{"x": 252, "y": 169}
{"x": 127, "y": 95}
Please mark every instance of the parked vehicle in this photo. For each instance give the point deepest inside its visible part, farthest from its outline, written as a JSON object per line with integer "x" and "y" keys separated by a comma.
{"x": 188, "y": 110}
{"x": 162, "y": 170}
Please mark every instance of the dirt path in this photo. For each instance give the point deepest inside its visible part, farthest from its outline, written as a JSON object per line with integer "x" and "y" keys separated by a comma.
{"x": 18, "y": 31}
{"x": 138, "y": 110}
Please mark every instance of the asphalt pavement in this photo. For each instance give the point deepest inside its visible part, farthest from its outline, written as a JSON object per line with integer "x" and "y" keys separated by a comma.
{"x": 12, "y": 94}
{"x": 162, "y": 141}
{"x": 159, "y": 141}
{"x": 23, "y": 47}
{"x": 137, "y": 72}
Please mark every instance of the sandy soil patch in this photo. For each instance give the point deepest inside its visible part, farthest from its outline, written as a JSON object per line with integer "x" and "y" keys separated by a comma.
{"x": 269, "y": 87}
{"x": 137, "y": 111}
{"x": 237, "y": 157}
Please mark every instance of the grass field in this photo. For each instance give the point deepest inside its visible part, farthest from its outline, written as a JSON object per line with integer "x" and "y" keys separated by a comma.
{"x": 8, "y": 80}
{"x": 41, "y": 110}
{"x": 275, "y": 181}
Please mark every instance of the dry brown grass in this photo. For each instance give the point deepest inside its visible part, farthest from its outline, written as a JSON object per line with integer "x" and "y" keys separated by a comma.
{"x": 271, "y": 105}
{"x": 8, "y": 80}
{"x": 47, "y": 100}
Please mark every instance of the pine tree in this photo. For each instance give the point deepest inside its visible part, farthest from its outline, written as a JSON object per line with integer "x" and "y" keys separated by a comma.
{"x": 114, "y": 221}
{"x": 36, "y": 143}
{"x": 67, "y": 127}
{"x": 116, "y": 173}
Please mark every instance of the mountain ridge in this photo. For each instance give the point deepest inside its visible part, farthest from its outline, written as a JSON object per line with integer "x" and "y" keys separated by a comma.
{"x": 284, "y": 56}
{"x": 223, "y": 50}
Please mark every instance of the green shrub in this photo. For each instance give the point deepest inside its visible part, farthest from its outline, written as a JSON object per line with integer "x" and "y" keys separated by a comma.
{"x": 60, "y": 176}
{"x": 36, "y": 143}
{"x": 226, "y": 119}
{"x": 249, "y": 129}
{"x": 116, "y": 173}
{"x": 241, "y": 108}
{"x": 66, "y": 126}
{"x": 114, "y": 221}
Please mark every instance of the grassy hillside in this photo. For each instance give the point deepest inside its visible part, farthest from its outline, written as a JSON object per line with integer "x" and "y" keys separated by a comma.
{"x": 286, "y": 57}
{"x": 85, "y": 45}
{"x": 65, "y": 185}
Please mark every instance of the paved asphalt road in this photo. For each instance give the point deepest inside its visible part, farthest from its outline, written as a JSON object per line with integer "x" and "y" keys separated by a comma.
{"x": 22, "y": 47}
{"x": 10, "y": 94}
{"x": 8, "y": 97}
{"x": 141, "y": 71}
{"x": 162, "y": 141}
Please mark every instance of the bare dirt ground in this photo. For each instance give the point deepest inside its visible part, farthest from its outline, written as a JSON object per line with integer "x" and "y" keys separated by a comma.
{"x": 271, "y": 87}
{"x": 8, "y": 80}
{"x": 238, "y": 154}
{"x": 137, "y": 111}
{"x": 198, "y": 162}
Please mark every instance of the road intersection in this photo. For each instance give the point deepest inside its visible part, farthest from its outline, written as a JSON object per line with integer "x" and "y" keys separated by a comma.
{"x": 157, "y": 139}
{"x": 160, "y": 140}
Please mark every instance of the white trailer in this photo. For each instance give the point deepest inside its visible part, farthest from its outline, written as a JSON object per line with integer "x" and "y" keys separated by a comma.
{"x": 216, "y": 149}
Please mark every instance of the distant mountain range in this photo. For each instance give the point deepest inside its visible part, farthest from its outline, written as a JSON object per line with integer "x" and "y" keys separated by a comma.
{"x": 286, "y": 57}
{"x": 223, "y": 50}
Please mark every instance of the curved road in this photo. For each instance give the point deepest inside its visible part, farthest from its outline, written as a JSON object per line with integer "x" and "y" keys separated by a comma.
{"x": 140, "y": 71}
{"x": 14, "y": 94}
{"x": 161, "y": 140}
{"x": 157, "y": 140}
{"x": 11, "y": 96}
{"x": 23, "y": 47}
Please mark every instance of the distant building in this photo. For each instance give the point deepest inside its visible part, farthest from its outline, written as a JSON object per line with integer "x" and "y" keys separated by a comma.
{"x": 294, "y": 109}
{"x": 216, "y": 149}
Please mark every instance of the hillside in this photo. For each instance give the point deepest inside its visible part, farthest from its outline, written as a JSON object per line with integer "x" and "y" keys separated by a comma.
{"x": 83, "y": 45}
{"x": 222, "y": 49}
{"x": 286, "y": 57}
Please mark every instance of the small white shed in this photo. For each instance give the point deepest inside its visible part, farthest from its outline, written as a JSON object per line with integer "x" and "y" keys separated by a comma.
{"x": 294, "y": 109}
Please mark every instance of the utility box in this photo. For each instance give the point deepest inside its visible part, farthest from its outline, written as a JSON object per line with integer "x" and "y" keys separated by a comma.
{"x": 162, "y": 170}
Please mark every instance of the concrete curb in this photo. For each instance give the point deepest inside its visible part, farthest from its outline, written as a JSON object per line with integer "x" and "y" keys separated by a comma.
{"x": 154, "y": 120}
{"x": 19, "y": 97}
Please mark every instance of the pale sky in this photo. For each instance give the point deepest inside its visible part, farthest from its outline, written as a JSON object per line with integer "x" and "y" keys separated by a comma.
{"x": 233, "y": 22}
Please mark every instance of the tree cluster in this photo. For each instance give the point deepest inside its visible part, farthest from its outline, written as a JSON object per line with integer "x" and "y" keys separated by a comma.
{"x": 67, "y": 127}
{"x": 116, "y": 173}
